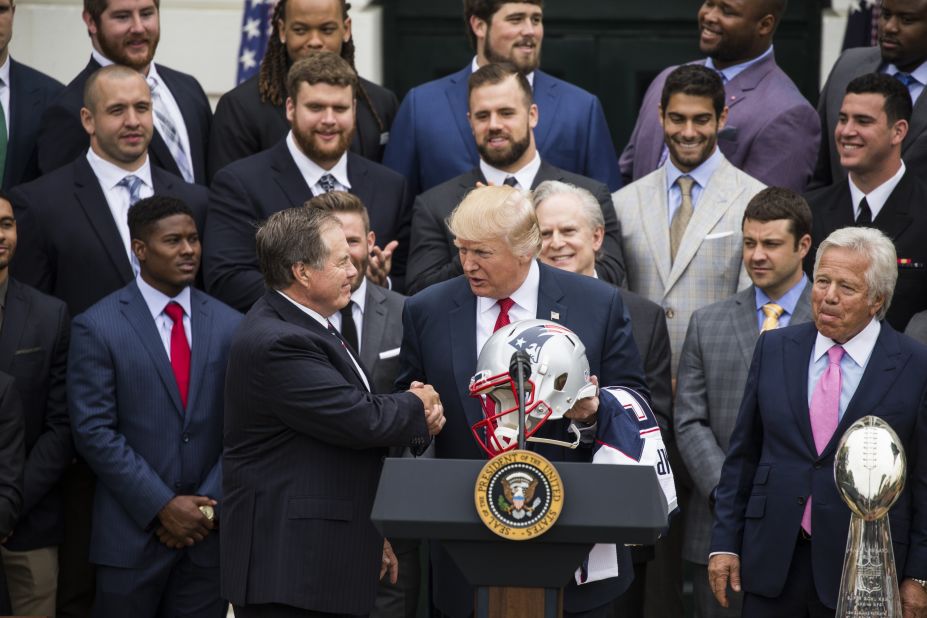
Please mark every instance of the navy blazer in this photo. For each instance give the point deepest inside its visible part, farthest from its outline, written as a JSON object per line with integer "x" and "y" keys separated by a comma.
{"x": 248, "y": 191}
{"x": 34, "y": 350}
{"x": 69, "y": 245}
{"x": 772, "y": 465}
{"x": 304, "y": 444}
{"x": 431, "y": 141}
{"x": 130, "y": 426}
{"x": 62, "y": 137}
{"x": 31, "y": 92}
{"x": 439, "y": 348}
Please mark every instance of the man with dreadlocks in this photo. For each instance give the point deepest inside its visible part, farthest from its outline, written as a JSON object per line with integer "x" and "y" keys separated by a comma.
{"x": 252, "y": 117}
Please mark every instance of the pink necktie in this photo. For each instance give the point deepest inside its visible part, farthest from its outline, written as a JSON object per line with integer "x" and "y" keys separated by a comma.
{"x": 825, "y": 412}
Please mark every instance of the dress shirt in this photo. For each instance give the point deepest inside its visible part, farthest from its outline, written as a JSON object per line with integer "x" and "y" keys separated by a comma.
{"x": 701, "y": 175}
{"x": 877, "y": 197}
{"x": 315, "y": 315}
{"x": 357, "y": 311}
{"x": 852, "y": 365}
{"x": 171, "y": 109}
{"x": 474, "y": 66}
{"x": 524, "y": 176}
{"x": 117, "y": 198}
{"x": 525, "y": 307}
{"x": 312, "y": 172}
{"x": 733, "y": 71}
{"x": 920, "y": 74}
{"x": 157, "y": 301}
{"x": 788, "y": 301}
{"x": 5, "y": 94}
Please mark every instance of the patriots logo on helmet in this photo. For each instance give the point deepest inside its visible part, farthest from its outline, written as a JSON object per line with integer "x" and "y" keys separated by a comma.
{"x": 532, "y": 340}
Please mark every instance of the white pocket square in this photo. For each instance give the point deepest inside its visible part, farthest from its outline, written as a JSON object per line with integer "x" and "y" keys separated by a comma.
{"x": 718, "y": 235}
{"x": 389, "y": 353}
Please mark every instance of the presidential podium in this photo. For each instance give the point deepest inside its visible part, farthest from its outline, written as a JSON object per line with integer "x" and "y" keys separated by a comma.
{"x": 434, "y": 499}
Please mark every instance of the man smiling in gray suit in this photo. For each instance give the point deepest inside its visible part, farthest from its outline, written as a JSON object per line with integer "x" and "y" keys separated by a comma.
{"x": 716, "y": 356}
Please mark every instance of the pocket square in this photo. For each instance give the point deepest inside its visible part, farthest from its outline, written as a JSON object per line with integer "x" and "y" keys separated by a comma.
{"x": 26, "y": 351}
{"x": 718, "y": 235}
{"x": 389, "y": 353}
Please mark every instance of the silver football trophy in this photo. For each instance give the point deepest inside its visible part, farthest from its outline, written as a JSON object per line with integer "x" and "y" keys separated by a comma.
{"x": 869, "y": 469}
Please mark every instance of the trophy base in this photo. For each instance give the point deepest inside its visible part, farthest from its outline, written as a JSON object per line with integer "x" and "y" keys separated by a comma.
{"x": 869, "y": 584}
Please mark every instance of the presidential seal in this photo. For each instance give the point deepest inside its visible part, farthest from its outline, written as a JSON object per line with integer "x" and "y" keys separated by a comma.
{"x": 519, "y": 495}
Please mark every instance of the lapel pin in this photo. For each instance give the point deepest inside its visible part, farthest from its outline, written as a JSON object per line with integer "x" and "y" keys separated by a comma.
{"x": 554, "y": 315}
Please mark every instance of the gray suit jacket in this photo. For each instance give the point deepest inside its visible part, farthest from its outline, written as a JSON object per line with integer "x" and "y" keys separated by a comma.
{"x": 917, "y": 327}
{"x": 381, "y": 333}
{"x": 851, "y": 64}
{"x": 713, "y": 371}
{"x": 708, "y": 266}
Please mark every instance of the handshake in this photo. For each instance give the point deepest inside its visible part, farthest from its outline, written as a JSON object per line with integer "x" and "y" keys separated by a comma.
{"x": 434, "y": 411}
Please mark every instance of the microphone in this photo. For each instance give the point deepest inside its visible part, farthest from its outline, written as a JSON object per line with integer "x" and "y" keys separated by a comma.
{"x": 520, "y": 371}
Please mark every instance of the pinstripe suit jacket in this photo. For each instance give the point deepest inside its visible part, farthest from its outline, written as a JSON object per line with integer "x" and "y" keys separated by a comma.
{"x": 131, "y": 428}
{"x": 708, "y": 265}
{"x": 713, "y": 370}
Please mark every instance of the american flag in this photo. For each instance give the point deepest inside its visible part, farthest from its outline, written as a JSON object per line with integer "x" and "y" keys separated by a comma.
{"x": 255, "y": 30}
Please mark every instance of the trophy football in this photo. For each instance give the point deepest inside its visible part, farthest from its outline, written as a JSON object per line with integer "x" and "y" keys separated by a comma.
{"x": 869, "y": 469}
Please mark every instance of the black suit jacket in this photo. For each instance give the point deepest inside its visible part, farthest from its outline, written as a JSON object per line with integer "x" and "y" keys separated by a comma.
{"x": 250, "y": 190}
{"x": 648, "y": 329}
{"x": 62, "y": 137}
{"x": 903, "y": 219}
{"x": 12, "y": 456}
{"x": 433, "y": 256}
{"x": 34, "y": 350}
{"x": 69, "y": 245}
{"x": 244, "y": 125}
{"x": 304, "y": 443}
{"x": 31, "y": 92}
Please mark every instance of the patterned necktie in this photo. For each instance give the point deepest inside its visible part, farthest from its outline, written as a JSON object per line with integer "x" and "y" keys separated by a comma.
{"x": 168, "y": 131}
{"x": 510, "y": 181}
{"x": 180, "y": 350}
{"x": 865, "y": 213}
{"x": 327, "y": 182}
{"x": 772, "y": 311}
{"x": 348, "y": 326}
{"x": 503, "y": 320}
{"x": 682, "y": 215}
{"x": 824, "y": 412}
{"x": 133, "y": 185}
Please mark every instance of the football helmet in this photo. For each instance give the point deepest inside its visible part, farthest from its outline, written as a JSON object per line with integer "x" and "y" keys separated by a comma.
{"x": 559, "y": 377}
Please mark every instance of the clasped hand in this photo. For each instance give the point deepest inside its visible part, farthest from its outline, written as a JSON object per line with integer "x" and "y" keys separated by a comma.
{"x": 434, "y": 411}
{"x": 182, "y": 522}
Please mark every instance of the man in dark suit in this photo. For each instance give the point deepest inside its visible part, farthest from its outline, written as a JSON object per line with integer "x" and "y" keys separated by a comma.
{"x": 781, "y": 526}
{"x": 503, "y": 118}
{"x": 881, "y": 191}
{"x": 126, "y": 32}
{"x": 445, "y": 326}
{"x": 252, "y": 116}
{"x": 765, "y": 106}
{"x": 34, "y": 332}
{"x": 304, "y": 436}
{"x": 11, "y": 468}
{"x": 572, "y": 132}
{"x": 716, "y": 357}
{"x": 24, "y": 95}
{"x": 902, "y": 53}
{"x": 145, "y": 390}
{"x": 313, "y": 159}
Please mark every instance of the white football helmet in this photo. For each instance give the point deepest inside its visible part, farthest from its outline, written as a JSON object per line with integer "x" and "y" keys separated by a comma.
{"x": 559, "y": 377}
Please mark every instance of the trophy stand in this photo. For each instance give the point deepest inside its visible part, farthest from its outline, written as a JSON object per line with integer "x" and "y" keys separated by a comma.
{"x": 869, "y": 584}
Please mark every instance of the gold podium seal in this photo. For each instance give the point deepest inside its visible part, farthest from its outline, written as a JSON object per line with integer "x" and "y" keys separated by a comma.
{"x": 519, "y": 495}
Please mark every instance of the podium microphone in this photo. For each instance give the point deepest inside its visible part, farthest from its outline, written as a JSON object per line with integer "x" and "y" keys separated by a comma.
{"x": 519, "y": 371}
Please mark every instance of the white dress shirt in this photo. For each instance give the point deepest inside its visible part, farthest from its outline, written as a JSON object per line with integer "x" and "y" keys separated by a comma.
{"x": 920, "y": 74}
{"x": 525, "y": 307}
{"x": 312, "y": 172}
{"x": 357, "y": 312}
{"x": 877, "y": 197}
{"x": 157, "y": 301}
{"x": 524, "y": 177}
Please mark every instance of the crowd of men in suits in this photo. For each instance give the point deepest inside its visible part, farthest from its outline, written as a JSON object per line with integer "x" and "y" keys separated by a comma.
{"x": 204, "y": 337}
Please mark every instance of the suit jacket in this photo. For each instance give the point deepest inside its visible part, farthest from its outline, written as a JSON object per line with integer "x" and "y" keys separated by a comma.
{"x": 648, "y": 328}
{"x": 433, "y": 256}
{"x": 34, "y": 350}
{"x": 381, "y": 334}
{"x": 851, "y": 64}
{"x": 708, "y": 265}
{"x": 31, "y": 92}
{"x": 62, "y": 137}
{"x": 439, "y": 347}
{"x": 713, "y": 370}
{"x": 765, "y": 108}
{"x": 69, "y": 245}
{"x": 250, "y": 190}
{"x": 902, "y": 218}
{"x": 772, "y": 465}
{"x": 244, "y": 125}
{"x": 132, "y": 429}
{"x": 304, "y": 442}
{"x": 12, "y": 457}
{"x": 424, "y": 146}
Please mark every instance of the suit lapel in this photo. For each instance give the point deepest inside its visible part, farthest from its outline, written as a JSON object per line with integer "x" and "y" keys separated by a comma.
{"x": 918, "y": 124}
{"x": 457, "y": 97}
{"x": 190, "y": 121}
{"x": 374, "y": 325}
{"x": 651, "y": 212}
{"x": 201, "y": 333}
{"x": 93, "y": 202}
{"x": 797, "y": 349}
{"x": 744, "y": 324}
{"x": 357, "y": 176}
{"x": 740, "y": 87}
{"x": 23, "y": 100}
{"x": 289, "y": 179}
{"x": 545, "y": 95}
{"x": 15, "y": 313}
{"x": 894, "y": 218}
{"x": 803, "y": 306}
{"x": 462, "y": 328}
{"x": 550, "y": 296}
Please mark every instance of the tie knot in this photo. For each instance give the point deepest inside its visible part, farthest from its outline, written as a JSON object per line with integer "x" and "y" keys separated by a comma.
{"x": 347, "y": 309}
{"x": 327, "y": 182}
{"x": 772, "y": 310}
{"x": 131, "y": 182}
{"x": 685, "y": 185}
{"x": 835, "y": 354}
{"x": 510, "y": 181}
{"x": 505, "y": 304}
{"x": 905, "y": 78}
{"x": 174, "y": 311}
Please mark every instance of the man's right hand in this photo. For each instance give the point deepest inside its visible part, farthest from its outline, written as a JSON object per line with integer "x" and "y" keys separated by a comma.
{"x": 434, "y": 411}
{"x": 723, "y": 569}
{"x": 181, "y": 517}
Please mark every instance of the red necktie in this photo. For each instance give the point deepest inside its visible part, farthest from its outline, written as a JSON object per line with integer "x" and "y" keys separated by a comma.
{"x": 180, "y": 350}
{"x": 503, "y": 320}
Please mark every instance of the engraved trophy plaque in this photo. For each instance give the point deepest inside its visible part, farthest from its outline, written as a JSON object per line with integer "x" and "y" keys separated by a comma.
{"x": 869, "y": 469}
